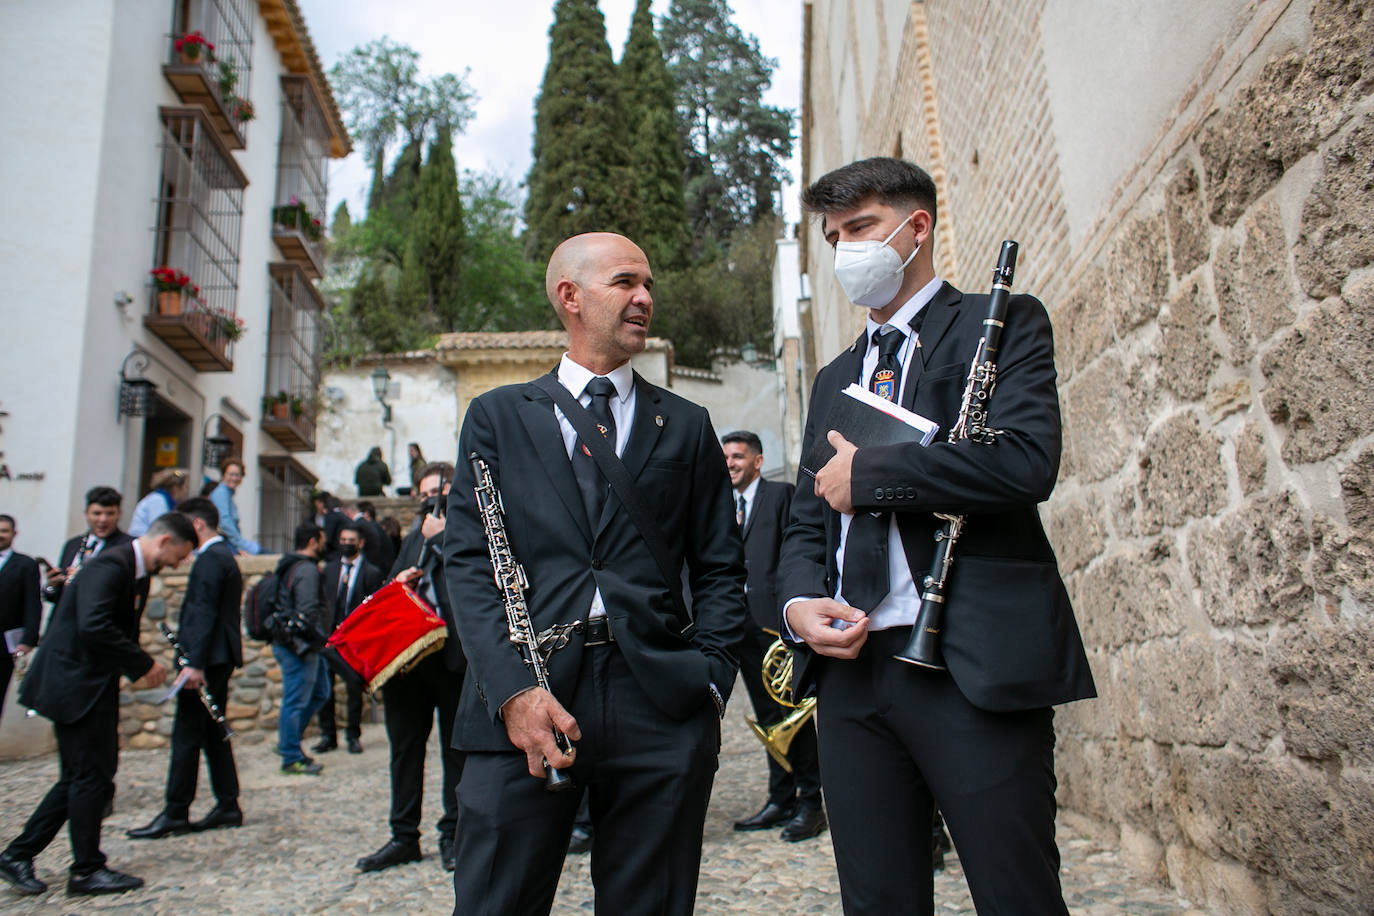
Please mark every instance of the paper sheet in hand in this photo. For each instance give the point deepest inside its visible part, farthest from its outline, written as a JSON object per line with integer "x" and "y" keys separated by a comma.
{"x": 866, "y": 420}
{"x": 13, "y": 639}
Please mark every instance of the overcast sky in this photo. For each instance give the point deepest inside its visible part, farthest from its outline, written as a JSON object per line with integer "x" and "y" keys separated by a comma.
{"x": 506, "y": 47}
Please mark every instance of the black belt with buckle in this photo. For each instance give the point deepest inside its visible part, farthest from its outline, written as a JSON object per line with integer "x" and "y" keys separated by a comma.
{"x": 598, "y": 630}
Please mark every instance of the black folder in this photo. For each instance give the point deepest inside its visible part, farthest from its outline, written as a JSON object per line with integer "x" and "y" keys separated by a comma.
{"x": 867, "y": 420}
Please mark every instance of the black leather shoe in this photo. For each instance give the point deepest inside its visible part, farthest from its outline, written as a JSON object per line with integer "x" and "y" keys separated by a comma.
{"x": 580, "y": 841}
{"x": 102, "y": 881}
{"x": 809, "y": 821}
{"x": 219, "y": 817}
{"x": 355, "y": 746}
{"x": 393, "y": 853}
{"x": 325, "y": 745}
{"x": 159, "y": 827}
{"x": 448, "y": 854}
{"x": 19, "y": 872}
{"x": 770, "y": 815}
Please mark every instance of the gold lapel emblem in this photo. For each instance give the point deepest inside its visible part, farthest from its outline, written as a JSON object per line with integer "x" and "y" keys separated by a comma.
{"x": 658, "y": 420}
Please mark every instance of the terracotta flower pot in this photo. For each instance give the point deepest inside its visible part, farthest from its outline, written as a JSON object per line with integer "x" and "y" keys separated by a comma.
{"x": 169, "y": 303}
{"x": 280, "y": 411}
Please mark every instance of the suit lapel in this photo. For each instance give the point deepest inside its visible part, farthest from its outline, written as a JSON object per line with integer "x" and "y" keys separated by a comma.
{"x": 939, "y": 317}
{"x": 759, "y": 498}
{"x": 546, "y": 438}
{"x": 645, "y": 430}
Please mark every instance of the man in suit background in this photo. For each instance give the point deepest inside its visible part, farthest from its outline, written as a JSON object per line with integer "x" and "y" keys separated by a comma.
{"x": 348, "y": 580}
{"x": 639, "y": 693}
{"x": 208, "y": 630}
{"x": 91, "y": 641}
{"x": 897, "y": 739}
{"x": 415, "y": 697}
{"x": 761, "y": 509}
{"x": 21, "y": 608}
{"x": 102, "y": 530}
{"x": 377, "y": 546}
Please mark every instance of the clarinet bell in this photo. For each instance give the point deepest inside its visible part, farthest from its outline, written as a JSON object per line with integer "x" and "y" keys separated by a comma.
{"x": 557, "y": 780}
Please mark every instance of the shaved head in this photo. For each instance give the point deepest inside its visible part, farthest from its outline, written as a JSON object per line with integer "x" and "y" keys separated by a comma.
{"x": 599, "y": 284}
{"x": 576, "y": 257}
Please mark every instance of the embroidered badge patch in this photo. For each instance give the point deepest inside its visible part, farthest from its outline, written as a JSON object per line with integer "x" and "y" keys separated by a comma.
{"x": 883, "y": 384}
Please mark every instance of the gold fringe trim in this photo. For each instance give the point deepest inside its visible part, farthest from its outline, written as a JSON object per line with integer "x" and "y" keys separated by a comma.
{"x": 428, "y": 644}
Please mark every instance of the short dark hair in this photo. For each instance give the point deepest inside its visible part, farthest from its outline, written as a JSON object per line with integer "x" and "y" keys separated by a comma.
{"x": 442, "y": 468}
{"x": 201, "y": 508}
{"x": 355, "y": 528}
{"x": 367, "y": 508}
{"x": 895, "y": 182}
{"x": 332, "y": 502}
{"x": 10, "y": 519}
{"x": 175, "y": 524}
{"x": 104, "y": 496}
{"x": 750, "y": 440}
{"x": 305, "y": 533}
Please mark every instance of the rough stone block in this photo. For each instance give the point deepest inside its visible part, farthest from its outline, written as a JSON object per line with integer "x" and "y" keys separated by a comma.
{"x": 164, "y": 727}
{"x": 240, "y": 710}
{"x": 1083, "y": 324}
{"x": 1357, "y": 491}
{"x": 1357, "y": 790}
{"x": 1187, "y": 356}
{"x": 246, "y": 695}
{"x": 1105, "y": 408}
{"x": 1252, "y": 458}
{"x": 1131, "y": 595}
{"x": 1180, "y": 691}
{"x": 1137, "y": 273}
{"x": 1336, "y": 235}
{"x": 1320, "y": 377}
{"x": 1324, "y": 680}
{"x": 146, "y": 741}
{"x": 274, "y": 675}
{"x": 254, "y": 669}
{"x": 1181, "y": 474}
{"x": 1253, "y": 283}
{"x": 1187, "y": 220}
{"x": 1076, "y": 530}
{"x": 156, "y": 609}
{"x": 1230, "y": 398}
{"x": 1249, "y": 563}
{"x": 143, "y": 712}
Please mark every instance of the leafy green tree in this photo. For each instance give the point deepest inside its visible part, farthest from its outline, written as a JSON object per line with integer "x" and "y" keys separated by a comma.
{"x": 578, "y": 176}
{"x": 657, "y": 164}
{"x": 436, "y": 231}
{"x": 342, "y": 223}
{"x": 499, "y": 288}
{"x": 377, "y": 311}
{"x": 735, "y": 143}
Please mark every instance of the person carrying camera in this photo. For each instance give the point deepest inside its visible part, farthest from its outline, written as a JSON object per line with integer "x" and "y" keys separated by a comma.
{"x": 302, "y": 621}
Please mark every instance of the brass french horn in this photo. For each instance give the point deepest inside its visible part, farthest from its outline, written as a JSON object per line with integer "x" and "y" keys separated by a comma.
{"x": 777, "y": 680}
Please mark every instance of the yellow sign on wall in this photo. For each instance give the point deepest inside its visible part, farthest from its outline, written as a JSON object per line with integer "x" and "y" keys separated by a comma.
{"x": 166, "y": 455}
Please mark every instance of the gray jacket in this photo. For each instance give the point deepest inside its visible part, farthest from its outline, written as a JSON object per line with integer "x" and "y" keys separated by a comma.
{"x": 305, "y": 595}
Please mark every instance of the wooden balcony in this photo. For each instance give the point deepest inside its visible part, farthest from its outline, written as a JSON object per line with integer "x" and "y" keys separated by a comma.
{"x": 193, "y": 336}
{"x": 295, "y": 434}
{"x": 299, "y": 249}
{"x": 195, "y": 85}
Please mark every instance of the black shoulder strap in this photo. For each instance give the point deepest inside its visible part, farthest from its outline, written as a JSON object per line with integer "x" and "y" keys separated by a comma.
{"x": 630, "y": 497}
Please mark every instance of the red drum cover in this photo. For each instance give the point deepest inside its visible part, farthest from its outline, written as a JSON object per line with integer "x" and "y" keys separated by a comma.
{"x": 390, "y": 631}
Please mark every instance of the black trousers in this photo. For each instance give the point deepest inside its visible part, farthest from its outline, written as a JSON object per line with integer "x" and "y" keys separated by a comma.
{"x": 895, "y": 741}
{"x": 412, "y": 701}
{"x": 194, "y": 731}
{"x": 6, "y": 672}
{"x": 353, "y": 728}
{"x": 648, "y": 779}
{"x": 804, "y": 782}
{"x": 88, "y": 755}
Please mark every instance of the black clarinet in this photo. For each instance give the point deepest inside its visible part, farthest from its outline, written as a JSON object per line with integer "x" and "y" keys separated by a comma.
{"x": 923, "y": 649}
{"x": 208, "y": 701}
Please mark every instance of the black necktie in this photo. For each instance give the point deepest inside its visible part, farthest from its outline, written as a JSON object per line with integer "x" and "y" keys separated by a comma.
{"x": 741, "y": 512}
{"x": 590, "y": 481}
{"x": 865, "y": 549}
{"x": 341, "y": 599}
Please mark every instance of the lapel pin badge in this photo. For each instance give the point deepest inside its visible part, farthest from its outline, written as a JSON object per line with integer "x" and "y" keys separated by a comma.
{"x": 658, "y": 420}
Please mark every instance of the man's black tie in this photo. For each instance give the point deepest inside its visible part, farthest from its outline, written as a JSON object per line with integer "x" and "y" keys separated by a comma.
{"x": 740, "y": 511}
{"x": 341, "y": 599}
{"x": 865, "y": 549}
{"x": 590, "y": 480}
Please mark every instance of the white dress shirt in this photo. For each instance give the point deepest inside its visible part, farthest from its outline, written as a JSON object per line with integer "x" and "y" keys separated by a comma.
{"x": 748, "y": 494}
{"x": 575, "y": 377}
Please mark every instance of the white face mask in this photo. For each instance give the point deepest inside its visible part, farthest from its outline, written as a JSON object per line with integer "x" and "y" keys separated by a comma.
{"x": 871, "y": 272}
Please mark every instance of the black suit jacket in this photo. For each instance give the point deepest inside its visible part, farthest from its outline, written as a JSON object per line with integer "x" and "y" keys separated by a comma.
{"x": 209, "y": 626}
{"x": 20, "y": 604}
{"x": 428, "y": 555}
{"x": 1010, "y": 638}
{"x": 377, "y": 546}
{"x": 762, "y": 540}
{"x": 675, "y": 458}
{"x": 70, "y": 549}
{"x": 91, "y": 640}
{"x": 367, "y": 581}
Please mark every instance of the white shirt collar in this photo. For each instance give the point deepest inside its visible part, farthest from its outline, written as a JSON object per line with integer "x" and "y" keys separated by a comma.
{"x": 206, "y": 546}
{"x": 140, "y": 568}
{"x": 574, "y": 377}
{"x": 901, "y": 319}
{"x": 748, "y": 493}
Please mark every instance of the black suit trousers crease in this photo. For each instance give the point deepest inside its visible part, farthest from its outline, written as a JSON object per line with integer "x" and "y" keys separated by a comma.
{"x": 88, "y": 754}
{"x": 412, "y": 701}
{"x": 648, "y": 779}
{"x": 194, "y": 731}
{"x": 804, "y": 782}
{"x": 329, "y": 729}
{"x": 924, "y": 745}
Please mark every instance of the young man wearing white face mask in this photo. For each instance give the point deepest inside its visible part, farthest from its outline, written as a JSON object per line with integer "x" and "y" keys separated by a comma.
{"x": 897, "y": 740}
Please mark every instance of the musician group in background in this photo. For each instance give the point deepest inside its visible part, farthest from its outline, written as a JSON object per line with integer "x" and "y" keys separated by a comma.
{"x": 595, "y": 570}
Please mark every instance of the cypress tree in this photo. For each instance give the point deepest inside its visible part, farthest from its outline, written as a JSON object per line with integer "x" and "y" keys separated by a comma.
{"x": 657, "y": 164}
{"x": 577, "y": 179}
{"x": 436, "y": 231}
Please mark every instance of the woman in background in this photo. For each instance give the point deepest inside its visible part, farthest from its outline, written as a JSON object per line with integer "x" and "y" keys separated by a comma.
{"x": 231, "y": 475}
{"x": 168, "y": 487}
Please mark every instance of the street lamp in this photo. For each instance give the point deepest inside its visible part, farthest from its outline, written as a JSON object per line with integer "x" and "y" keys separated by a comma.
{"x": 135, "y": 391}
{"x": 216, "y": 447}
{"x": 381, "y": 382}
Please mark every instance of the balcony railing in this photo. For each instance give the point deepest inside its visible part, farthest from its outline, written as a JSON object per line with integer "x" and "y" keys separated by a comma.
{"x": 302, "y": 189}
{"x": 289, "y": 405}
{"x": 212, "y": 67}
{"x": 197, "y": 336}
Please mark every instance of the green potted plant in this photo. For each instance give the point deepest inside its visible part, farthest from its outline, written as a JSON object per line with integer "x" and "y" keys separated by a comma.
{"x": 241, "y": 109}
{"x": 297, "y": 408}
{"x": 226, "y": 325}
{"x": 228, "y": 78}
{"x": 276, "y": 404}
{"x": 193, "y": 47}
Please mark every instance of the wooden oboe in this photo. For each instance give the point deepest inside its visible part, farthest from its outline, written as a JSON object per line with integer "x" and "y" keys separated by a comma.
{"x": 510, "y": 578}
{"x": 923, "y": 648}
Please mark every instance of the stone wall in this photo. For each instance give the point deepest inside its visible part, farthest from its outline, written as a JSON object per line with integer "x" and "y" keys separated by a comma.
{"x": 1213, "y": 303}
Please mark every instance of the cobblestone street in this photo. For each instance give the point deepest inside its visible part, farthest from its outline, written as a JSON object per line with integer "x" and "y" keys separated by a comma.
{"x": 296, "y": 852}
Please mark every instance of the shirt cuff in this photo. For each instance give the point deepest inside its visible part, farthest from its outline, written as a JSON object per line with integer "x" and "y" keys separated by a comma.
{"x": 787, "y": 632}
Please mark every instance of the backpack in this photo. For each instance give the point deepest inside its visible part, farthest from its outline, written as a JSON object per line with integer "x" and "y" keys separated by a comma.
{"x": 261, "y": 605}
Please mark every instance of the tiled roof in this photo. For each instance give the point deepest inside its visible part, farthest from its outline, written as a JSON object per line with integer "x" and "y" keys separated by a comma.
{"x": 502, "y": 340}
